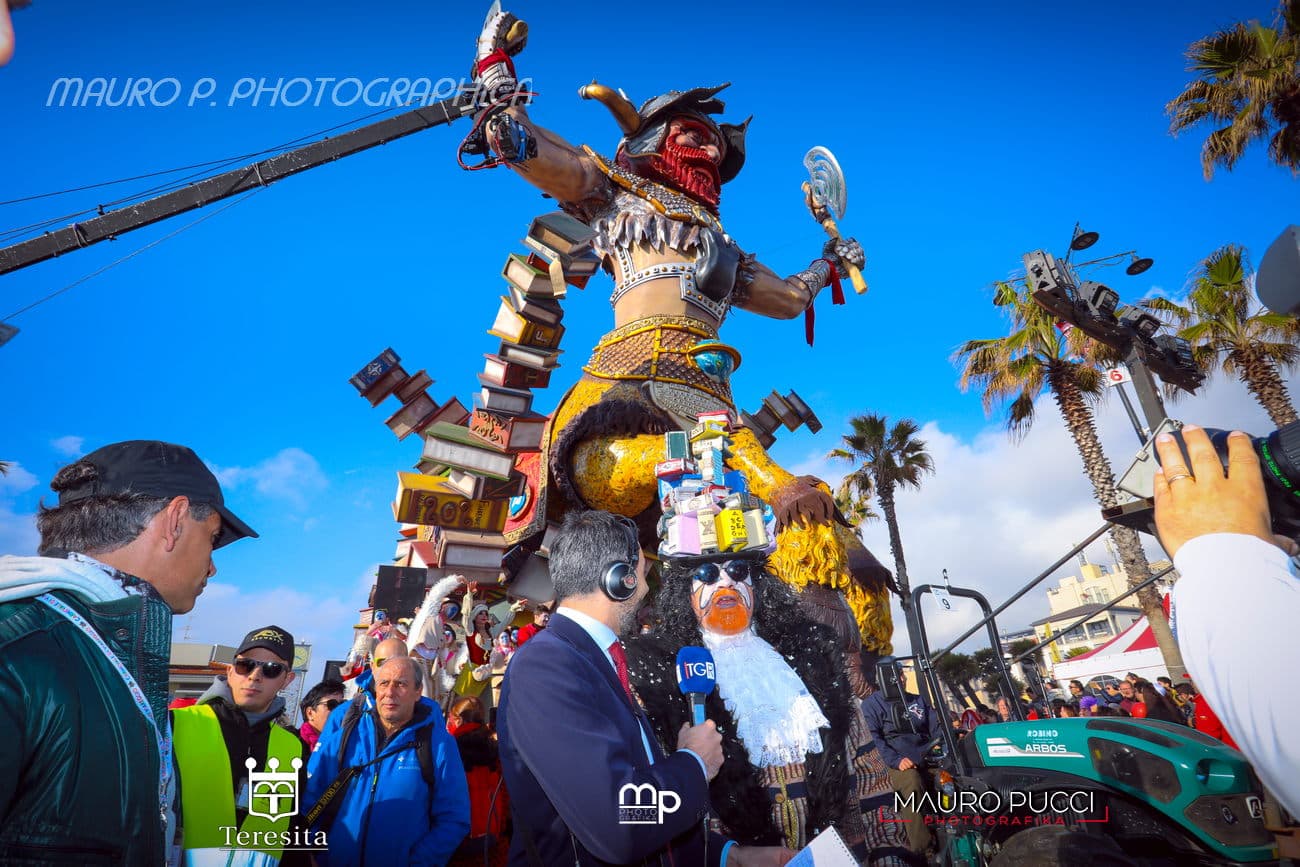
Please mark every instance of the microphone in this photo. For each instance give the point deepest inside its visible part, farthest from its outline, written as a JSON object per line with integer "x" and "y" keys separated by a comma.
{"x": 696, "y": 678}
{"x": 1277, "y": 281}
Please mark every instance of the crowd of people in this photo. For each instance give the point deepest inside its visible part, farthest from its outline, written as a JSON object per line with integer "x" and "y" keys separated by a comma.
{"x": 574, "y": 710}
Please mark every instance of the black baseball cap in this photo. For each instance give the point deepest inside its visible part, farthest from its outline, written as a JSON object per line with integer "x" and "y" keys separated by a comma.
{"x": 158, "y": 469}
{"x": 273, "y": 638}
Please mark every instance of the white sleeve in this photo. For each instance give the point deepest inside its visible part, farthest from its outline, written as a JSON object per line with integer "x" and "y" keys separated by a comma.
{"x": 1236, "y": 609}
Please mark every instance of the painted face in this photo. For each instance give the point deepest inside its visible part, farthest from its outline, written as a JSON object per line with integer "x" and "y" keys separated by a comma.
{"x": 724, "y": 606}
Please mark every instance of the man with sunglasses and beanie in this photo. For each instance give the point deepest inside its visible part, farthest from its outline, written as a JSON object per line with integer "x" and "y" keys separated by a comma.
{"x": 85, "y": 639}
{"x": 797, "y": 754}
{"x": 229, "y": 735}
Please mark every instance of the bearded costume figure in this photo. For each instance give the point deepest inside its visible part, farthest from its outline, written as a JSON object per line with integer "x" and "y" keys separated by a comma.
{"x": 677, "y": 274}
{"x": 797, "y": 754}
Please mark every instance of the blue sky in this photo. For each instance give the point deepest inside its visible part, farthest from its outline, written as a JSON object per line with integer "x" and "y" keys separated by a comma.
{"x": 969, "y": 134}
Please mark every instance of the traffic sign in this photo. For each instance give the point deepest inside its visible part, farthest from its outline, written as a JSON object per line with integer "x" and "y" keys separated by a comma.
{"x": 1116, "y": 375}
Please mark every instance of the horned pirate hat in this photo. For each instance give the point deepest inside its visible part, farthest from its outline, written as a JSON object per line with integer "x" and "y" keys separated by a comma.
{"x": 644, "y": 129}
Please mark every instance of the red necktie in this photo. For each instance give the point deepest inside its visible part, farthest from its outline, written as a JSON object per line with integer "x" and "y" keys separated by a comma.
{"x": 620, "y": 665}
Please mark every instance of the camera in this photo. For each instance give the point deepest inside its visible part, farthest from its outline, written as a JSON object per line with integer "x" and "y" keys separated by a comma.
{"x": 1279, "y": 458}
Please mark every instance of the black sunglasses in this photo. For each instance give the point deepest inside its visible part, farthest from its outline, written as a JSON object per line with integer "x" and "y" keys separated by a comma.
{"x": 737, "y": 570}
{"x": 330, "y": 703}
{"x": 271, "y": 670}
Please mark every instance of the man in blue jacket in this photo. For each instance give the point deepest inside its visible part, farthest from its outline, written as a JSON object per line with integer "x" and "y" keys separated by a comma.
{"x": 402, "y": 797}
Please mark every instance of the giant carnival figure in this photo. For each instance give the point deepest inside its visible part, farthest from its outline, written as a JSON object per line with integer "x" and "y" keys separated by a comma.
{"x": 677, "y": 274}
{"x": 798, "y": 757}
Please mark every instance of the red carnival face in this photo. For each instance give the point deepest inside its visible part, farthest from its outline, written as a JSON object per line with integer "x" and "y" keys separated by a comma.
{"x": 688, "y": 160}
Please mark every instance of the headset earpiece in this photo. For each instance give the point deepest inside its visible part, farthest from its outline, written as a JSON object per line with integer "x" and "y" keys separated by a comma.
{"x": 619, "y": 578}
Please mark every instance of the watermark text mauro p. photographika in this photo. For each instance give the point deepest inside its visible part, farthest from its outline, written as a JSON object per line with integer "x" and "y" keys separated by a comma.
{"x": 263, "y": 92}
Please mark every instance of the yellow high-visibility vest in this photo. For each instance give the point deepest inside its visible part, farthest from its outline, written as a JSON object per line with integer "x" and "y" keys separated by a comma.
{"x": 207, "y": 790}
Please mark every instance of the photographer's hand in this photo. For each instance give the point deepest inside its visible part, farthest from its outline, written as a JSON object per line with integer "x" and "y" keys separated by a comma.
{"x": 1200, "y": 500}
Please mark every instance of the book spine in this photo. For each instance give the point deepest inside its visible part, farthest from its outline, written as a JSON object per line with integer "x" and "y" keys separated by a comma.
{"x": 452, "y": 510}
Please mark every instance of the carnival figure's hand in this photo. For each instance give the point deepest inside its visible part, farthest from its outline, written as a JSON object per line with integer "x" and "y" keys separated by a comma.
{"x": 503, "y": 36}
{"x": 845, "y": 250}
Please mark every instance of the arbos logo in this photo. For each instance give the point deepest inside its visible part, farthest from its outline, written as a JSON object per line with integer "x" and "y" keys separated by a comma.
{"x": 645, "y": 805}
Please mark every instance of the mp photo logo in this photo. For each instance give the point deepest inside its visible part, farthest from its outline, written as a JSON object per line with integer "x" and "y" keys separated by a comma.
{"x": 645, "y": 805}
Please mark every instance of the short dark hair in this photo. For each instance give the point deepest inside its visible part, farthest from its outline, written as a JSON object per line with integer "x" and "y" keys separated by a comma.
{"x": 100, "y": 524}
{"x": 587, "y": 543}
{"x": 317, "y": 693}
{"x": 1165, "y": 681}
{"x": 1076, "y": 683}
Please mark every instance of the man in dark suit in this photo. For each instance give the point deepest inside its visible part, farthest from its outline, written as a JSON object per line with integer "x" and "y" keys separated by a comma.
{"x": 579, "y": 757}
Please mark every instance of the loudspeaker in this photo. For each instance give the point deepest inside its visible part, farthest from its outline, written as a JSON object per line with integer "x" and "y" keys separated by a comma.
{"x": 1278, "y": 279}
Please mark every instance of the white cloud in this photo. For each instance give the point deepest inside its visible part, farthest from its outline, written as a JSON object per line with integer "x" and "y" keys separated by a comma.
{"x": 291, "y": 475}
{"x": 17, "y": 530}
{"x": 997, "y": 513}
{"x": 69, "y": 446}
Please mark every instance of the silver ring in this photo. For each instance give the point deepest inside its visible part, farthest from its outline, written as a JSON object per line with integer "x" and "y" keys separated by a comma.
{"x": 1178, "y": 477}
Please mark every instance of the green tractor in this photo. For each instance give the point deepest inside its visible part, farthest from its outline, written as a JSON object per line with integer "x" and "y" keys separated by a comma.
{"x": 1099, "y": 790}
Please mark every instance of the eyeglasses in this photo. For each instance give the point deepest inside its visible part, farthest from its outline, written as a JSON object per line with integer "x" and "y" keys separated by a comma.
{"x": 330, "y": 703}
{"x": 737, "y": 570}
{"x": 271, "y": 670}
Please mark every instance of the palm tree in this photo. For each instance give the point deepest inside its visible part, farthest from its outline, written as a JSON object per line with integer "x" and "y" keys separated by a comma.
{"x": 855, "y": 504}
{"x": 1228, "y": 330}
{"x": 1248, "y": 80}
{"x": 1037, "y": 355}
{"x": 886, "y": 459}
{"x": 957, "y": 671}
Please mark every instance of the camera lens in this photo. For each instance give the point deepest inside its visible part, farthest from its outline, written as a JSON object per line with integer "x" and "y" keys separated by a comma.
{"x": 1279, "y": 458}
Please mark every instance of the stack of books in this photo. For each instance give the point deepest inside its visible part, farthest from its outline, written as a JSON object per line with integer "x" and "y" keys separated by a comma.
{"x": 707, "y": 509}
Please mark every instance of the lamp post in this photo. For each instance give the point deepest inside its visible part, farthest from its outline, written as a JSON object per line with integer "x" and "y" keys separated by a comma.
{"x": 1095, "y": 309}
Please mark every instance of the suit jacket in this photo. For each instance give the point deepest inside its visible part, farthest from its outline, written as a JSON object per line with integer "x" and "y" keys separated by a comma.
{"x": 570, "y": 742}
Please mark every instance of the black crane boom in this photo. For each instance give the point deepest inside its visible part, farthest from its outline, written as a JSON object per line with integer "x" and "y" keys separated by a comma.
{"x": 113, "y": 223}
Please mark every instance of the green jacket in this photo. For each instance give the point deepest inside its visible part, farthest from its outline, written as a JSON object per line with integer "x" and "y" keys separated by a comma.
{"x": 78, "y": 762}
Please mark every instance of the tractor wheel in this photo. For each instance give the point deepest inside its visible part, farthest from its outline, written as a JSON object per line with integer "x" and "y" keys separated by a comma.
{"x": 1060, "y": 846}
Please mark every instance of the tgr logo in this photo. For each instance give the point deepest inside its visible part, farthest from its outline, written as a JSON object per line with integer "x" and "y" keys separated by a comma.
{"x": 698, "y": 669}
{"x": 645, "y": 805}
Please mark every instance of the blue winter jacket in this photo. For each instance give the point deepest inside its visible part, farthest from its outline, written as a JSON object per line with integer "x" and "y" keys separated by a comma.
{"x": 388, "y": 815}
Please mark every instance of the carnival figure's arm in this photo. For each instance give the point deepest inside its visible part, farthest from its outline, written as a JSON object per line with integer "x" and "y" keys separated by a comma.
{"x": 761, "y": 291}
{"x": 543, "y": 158}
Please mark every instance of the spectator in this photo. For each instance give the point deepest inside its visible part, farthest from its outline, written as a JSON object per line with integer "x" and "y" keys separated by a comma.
{"x": 1103, "y": 709}
{"x": 1204, "y": 719}
{"x": 1164, "y": 685}
{"x": 489, "y": 805}
{"x": 1112, "y": 695}
{"x": 419, "y": 817}
{"x": 541, "y": 616}
{"x": 230, "y": 732}
{"x": 1132, "y": 678}
{"x": 1184, "y": 695}
{"x": 1076, "y": 690}
{"x": 1157, "y": 706}
{"x": 1004, "y": 709}
{"x": 85, "y": 632}
{"x": 1128, "y": 696}
{"x": 1088, "y": 705}
{"x": 317, "y": 706}
{"x": 902, "y": 745}
{"x": 6, "y": 33}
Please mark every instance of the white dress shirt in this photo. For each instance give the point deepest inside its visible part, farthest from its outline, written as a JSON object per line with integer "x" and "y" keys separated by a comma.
{"x": 1236, "y": 607}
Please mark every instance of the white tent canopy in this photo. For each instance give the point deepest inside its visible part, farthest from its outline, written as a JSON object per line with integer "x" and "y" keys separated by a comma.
{"x": 1133, "y": 650}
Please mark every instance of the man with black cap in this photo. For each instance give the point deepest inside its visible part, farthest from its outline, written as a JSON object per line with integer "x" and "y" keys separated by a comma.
{"x": 225, "y": 741}
{"x": 85, "y": 639}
